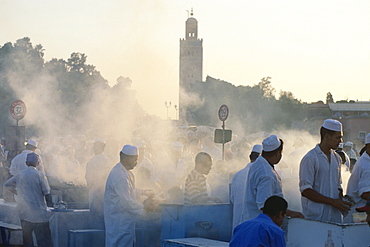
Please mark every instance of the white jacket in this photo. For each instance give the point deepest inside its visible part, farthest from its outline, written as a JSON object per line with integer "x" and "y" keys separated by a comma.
{"x": 238, "y": 194}
{"x": 120, "y": 208}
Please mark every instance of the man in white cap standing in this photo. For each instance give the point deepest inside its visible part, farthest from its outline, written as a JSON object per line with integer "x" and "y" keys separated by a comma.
{"x": 320, "y": 177}
{"x": 31, "y": 186}
{"x": 120, "y": 205}
{"x": 239, "y": 185}
{"x": 359, "y": 182}
{"x": 263, "y": 180}
{"x": 18, "y": 163}
{"x": 97, "y": 170}
{"x": 348, "y": 149}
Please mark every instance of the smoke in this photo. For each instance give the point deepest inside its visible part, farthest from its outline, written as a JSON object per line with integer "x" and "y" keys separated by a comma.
{"x": 112, "y": 113}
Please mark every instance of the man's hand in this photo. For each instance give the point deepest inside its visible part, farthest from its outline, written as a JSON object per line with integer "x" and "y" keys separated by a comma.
{"x": 294, "y": 214}
{"x": 342, "y": 206}
{"x": 148, "y": 193}
{"x": 151, "y": 205}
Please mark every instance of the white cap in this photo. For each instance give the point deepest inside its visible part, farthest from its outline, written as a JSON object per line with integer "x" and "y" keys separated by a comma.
{"x": 32, "y": 143}
{"x": 348, "y": 144}
{"x": 257, "y": 148}
{"x": 177, "y": 146}
{"x": 340, "y": 146}
{"x": 271, "y": 143}
{"x": 130, "y": 150}
{"x": 367, "y": 139}
{"x": 100, "y": 140}
{"x": 332, "y": 124}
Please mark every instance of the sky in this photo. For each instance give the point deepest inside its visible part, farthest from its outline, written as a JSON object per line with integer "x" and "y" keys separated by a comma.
{"x": 307, "y": 47}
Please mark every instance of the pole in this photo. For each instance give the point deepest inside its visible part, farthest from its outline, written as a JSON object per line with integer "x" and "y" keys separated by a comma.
{"x": 17, "y": 135}
{"x": 223, "y": 140}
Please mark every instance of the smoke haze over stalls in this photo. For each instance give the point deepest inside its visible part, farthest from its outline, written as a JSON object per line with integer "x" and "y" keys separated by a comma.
{"x": 308, "y": 48}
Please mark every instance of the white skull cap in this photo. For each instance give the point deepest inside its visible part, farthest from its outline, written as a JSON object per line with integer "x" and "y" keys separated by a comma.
{"x": 332, "y": 124}
{"x": 348, "y": 144}
{"x": 271, "y": 143}
{"x": 32, "y": 143}
{"x": 257, "y": 148}
{"x": 130, "y": 150}
{"x": 367, "y": 139}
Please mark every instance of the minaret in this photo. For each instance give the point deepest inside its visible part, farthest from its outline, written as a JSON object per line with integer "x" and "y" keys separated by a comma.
{"x": 191, "y": 64}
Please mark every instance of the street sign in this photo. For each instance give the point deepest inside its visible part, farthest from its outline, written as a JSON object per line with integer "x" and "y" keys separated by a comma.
{"x": 18, "y": 109}
{"x": 222, "y": 136}
{"x": 223, "y": 112}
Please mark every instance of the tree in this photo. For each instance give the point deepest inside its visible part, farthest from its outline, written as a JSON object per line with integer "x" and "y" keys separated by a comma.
{"x": 329, "y": 98}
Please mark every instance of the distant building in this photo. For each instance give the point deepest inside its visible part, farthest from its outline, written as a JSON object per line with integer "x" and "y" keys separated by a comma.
{"x": 191, "y": 64}
{"x": 355, "y": 117}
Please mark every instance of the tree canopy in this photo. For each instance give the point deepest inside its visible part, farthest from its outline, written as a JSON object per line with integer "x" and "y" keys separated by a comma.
{"x": 65, "y": 93}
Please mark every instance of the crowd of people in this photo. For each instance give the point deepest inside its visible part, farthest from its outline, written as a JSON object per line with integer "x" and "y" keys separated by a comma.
{"x": 191, "y": 169}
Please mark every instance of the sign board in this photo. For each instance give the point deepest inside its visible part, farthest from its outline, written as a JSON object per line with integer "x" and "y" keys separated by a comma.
{"x": 15, "y": 137}
{"x": 18, "y": 109}
{"x": 223, "y": 113}
{"x": 219, "y": 136}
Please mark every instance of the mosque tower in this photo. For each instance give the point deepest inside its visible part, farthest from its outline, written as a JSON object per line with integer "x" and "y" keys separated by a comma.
{"x": 191, "y": 64}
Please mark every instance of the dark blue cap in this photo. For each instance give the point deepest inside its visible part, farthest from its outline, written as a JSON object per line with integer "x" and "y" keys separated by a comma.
{"x": 32, "y": 158}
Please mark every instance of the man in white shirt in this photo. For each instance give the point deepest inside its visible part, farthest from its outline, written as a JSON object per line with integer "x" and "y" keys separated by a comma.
{"x": 18, "y": 163}
{"x": 263, "y": 180}
{"x": 120, "y": 205}
{"x": 97, "y": 170}
{"x": 31, "y": 186}
{"x": 238, "y": 188}
{"x": 320, "y": 177}
{"x": 359, "y": 182}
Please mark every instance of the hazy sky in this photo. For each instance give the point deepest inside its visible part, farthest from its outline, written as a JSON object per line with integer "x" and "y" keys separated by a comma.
{"x": 308, "y": 47}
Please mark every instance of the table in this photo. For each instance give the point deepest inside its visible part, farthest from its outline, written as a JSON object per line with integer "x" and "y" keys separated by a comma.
{"x": 60, "y": 222}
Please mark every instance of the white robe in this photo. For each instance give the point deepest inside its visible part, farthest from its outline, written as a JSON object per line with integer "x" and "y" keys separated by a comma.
{"x": 325, "y": 178}
{"x": 18, "y": 163}
{"x": 238, "y": 194}
{"x": 359, "y": 182}
{"x": 97, "y": 171}
{"x": 120, "y": 208}
{"x": 263, "y": 182}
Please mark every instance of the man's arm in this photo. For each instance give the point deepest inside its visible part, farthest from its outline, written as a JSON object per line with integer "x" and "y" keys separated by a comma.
{"x": 315, "y": 196}
{"x": 11, "y": 185}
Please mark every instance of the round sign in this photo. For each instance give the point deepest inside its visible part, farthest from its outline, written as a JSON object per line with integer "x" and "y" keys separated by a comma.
{"x": 18, "y": 109}
{"x": 223, "y": 112}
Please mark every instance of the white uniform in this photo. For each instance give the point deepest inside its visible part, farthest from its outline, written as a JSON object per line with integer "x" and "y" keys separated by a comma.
{"x": 325, "y": 178}
{"x": 31, "y": 186}
{"x": 120, "y": 208}
{"x": 359, "y": 182}
{"x": 18, "y": 163}
{"x": 238, "y": 194}
{"x": 263, "y": 182}
{"x": 97, "y": 171}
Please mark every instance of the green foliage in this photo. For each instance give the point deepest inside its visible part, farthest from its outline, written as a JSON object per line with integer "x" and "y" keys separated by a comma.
{"x": 70, "y": 87}
{"x": 253, "y": 107}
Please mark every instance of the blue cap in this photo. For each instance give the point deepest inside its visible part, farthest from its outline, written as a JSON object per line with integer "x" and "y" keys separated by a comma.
{"x": 32, "y": 159}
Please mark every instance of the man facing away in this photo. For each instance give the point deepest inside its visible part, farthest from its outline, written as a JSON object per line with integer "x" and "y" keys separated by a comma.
{"x": 97, "y": 170}
{"x": 263, "y": 180}
{"x": 238, "y": 187}
{"x": 196, "y": 185}
{"x": 320, "y": 177}
{"x": 264, "y": 230}
{"x": 18, "y": 163}
{"x": 31, "y": 186}
{"x": 359, "y": 182}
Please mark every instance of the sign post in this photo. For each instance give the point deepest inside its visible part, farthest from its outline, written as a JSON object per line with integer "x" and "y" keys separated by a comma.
{"x": 18, "y": 111}
{"x": 223, "y": 114}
